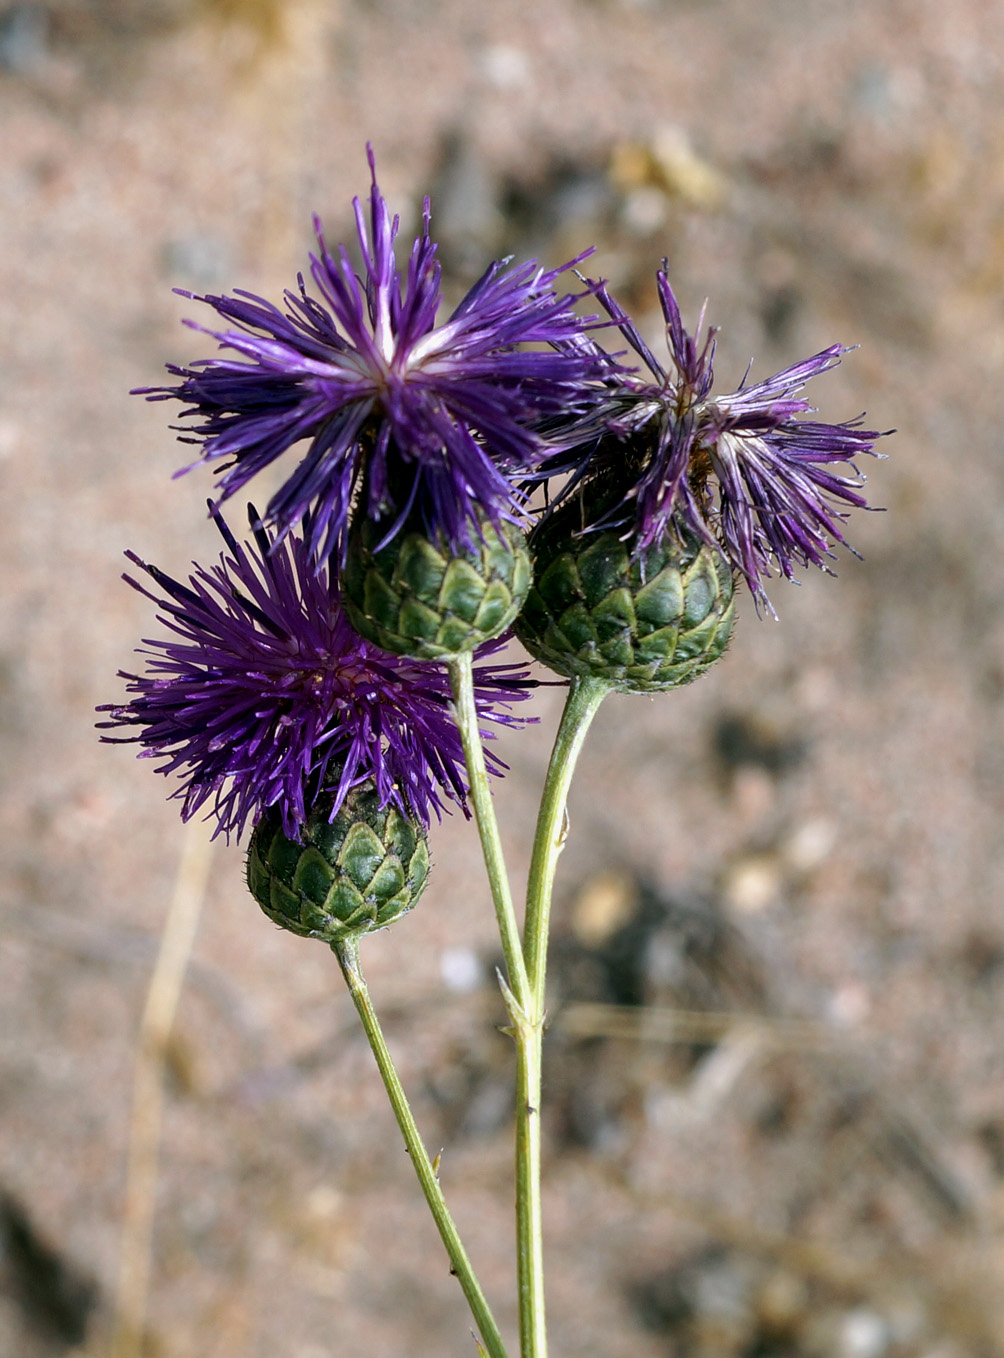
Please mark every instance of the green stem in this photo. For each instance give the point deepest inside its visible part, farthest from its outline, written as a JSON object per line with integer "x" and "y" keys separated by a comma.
{"x": 347, "y": 953}
{"x": 584, "y": 698}
{"x": 529, "y": 1220}
{"x": 462, "y": 683}
{"x": 526, "y": 962}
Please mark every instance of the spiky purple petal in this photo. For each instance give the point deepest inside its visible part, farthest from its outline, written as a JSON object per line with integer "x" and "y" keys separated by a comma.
{"x": 742, "y": 471}
{"x": 382, "y": 399}
{"x": 261, "y": 695}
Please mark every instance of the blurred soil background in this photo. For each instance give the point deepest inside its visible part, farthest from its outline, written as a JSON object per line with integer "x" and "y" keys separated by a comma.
{"x": 775, "y": 1075}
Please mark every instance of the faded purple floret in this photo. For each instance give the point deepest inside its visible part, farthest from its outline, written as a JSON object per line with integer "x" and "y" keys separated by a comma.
{"x": 742, "y": 471}
{"x": 262, "y": 695}
{"x": 386, "y": 404}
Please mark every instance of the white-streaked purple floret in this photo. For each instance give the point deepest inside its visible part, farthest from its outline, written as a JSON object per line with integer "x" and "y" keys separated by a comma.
{"x": 385, "y": 403}
{"x": 262, "y": 695}
{"x": 742, "y": 470}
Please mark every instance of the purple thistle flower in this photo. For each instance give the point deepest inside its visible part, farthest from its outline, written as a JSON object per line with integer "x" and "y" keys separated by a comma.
{"x": 262, "y": 695}
{"x": 739, "y": 470}
{"x": 390, "y": 407}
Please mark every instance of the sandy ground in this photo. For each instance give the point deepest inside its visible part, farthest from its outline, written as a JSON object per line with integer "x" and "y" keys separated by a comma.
{"x": 792, "y": 1140}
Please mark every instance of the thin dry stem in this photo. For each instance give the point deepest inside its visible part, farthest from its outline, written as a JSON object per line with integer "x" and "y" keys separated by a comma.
{"x": 650, "y": 1023}
{"x": 162, "y": 998}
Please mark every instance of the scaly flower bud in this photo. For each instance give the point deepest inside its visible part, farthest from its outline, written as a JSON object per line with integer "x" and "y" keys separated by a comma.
{"x": 642, "y": 621}
{"x": 349, "y": 871}
{"x": 414, "y": 596}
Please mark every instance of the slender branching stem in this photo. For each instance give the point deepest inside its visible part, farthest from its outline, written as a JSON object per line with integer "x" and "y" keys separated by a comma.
{"x": 584, "y": 698}
{"x": 462, "y": 682}
{"x": 529, "y": 1220}
{"x": 347, "y": 952}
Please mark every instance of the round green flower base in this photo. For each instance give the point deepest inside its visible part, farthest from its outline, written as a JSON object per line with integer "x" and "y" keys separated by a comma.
{"x": 414, "y": 597}
{"x": 643, "y": 623}
{"x": 343, "y": 877}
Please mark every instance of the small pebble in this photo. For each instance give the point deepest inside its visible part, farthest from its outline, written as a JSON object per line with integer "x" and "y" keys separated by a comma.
{"x": 24, "y": 39}
{"x": 505, "y": 67}
{"x": 198, "y": 260}
{"x": 864, "y": 1334}
{"x": 460, "y": 969}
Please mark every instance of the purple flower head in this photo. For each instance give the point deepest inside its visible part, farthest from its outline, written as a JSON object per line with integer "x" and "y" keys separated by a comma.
{"x": 387, "y": 405}
{"x": 742, "y": 471}
{"x": 262, "y": 695}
